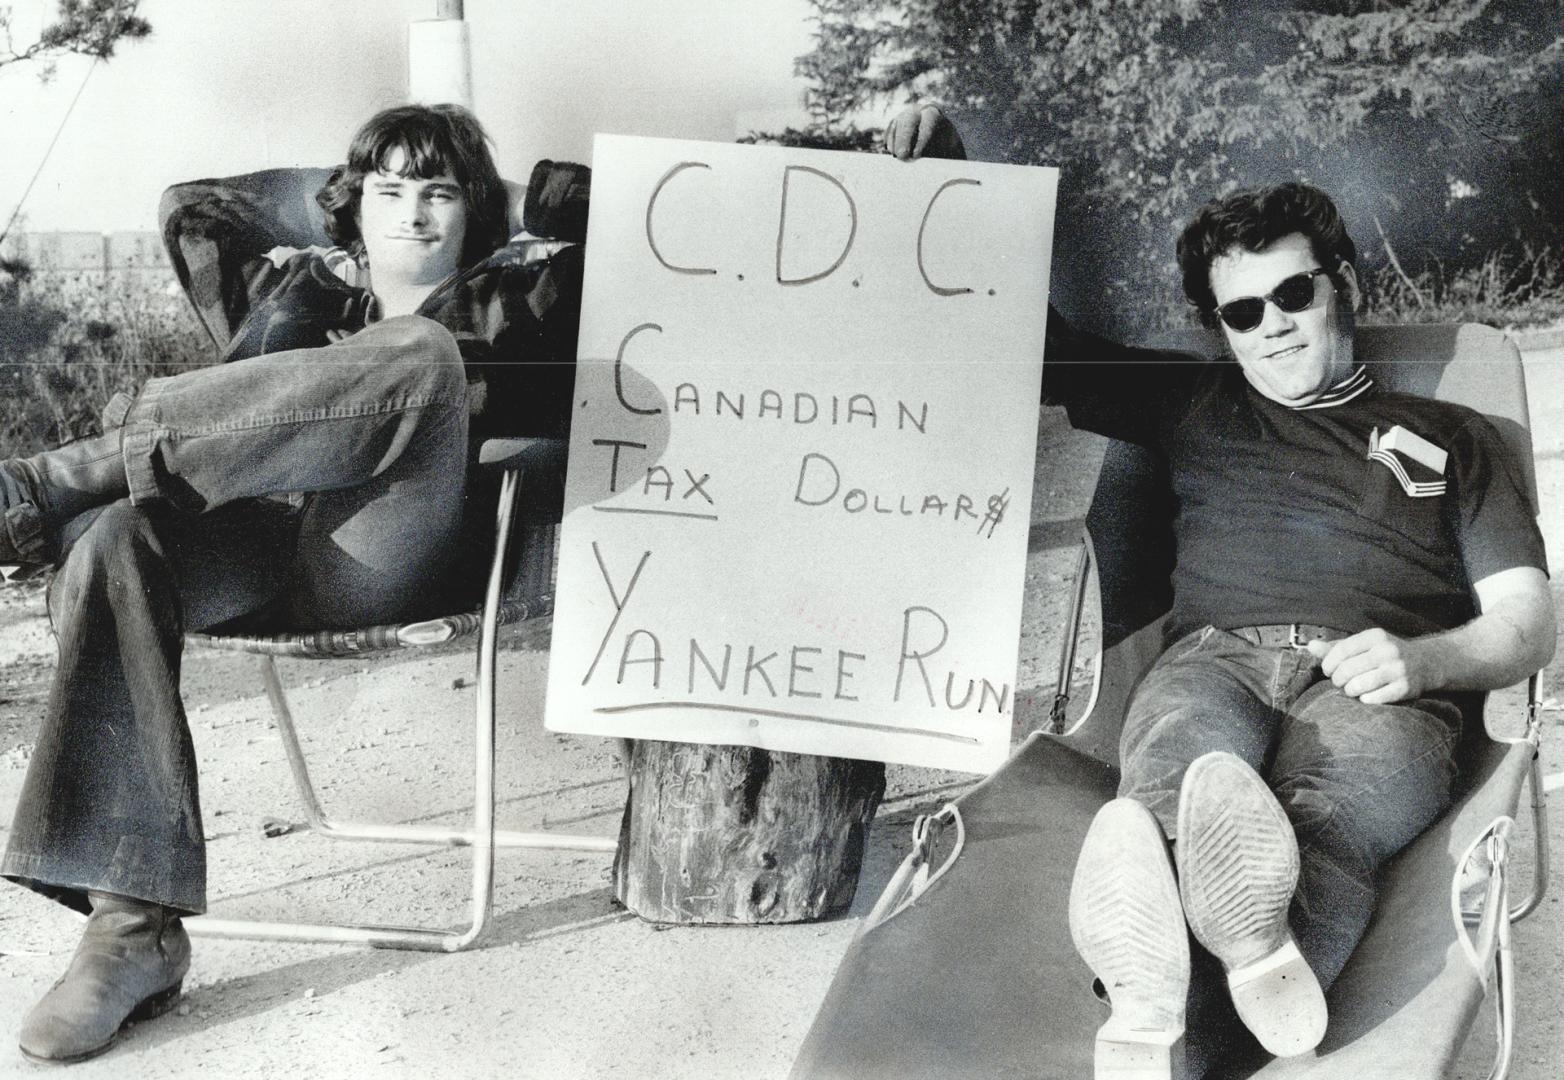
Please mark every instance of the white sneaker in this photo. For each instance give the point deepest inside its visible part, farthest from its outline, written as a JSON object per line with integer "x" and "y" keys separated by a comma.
{"x": 1237, "y": 870}
{"x": 1127, "y": 925}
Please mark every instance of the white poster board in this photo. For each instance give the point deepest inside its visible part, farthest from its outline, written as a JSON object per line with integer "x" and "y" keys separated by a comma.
{"x": 801, "y": 458}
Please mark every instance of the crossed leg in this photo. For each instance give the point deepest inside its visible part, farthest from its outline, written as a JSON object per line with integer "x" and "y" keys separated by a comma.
{"x": 1356, "y": 782}
{"x": 370, "y": 437}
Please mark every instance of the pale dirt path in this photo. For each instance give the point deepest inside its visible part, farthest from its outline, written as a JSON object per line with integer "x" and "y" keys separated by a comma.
{"x": 567, "y": 986}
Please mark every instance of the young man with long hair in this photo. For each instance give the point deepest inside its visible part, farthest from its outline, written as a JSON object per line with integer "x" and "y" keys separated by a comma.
{"x": 321, "y": 475}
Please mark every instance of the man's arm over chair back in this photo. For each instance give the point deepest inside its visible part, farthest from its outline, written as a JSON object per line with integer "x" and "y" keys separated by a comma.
{"x": 218, "y": 233}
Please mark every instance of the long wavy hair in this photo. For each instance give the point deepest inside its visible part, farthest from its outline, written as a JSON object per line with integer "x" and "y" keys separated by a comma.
{"x": 433, "y": 139}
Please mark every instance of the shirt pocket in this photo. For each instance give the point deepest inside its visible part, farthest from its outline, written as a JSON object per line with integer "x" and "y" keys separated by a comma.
{"x": 1419, "y": 518}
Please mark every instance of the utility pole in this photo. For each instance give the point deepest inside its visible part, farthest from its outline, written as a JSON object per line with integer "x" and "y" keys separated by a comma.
{"x": 439, "y": 57}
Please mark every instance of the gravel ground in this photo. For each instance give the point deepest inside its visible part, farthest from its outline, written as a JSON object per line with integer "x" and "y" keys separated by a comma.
{"x": 566, "y": 984}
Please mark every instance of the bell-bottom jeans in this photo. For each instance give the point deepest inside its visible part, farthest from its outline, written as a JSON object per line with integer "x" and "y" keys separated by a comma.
{"x": 321, "y": 485}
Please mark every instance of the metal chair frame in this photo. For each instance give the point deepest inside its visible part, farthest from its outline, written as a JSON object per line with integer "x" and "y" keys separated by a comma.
{"x": 482, "y": 836}
{"x": 1493, "y": 920}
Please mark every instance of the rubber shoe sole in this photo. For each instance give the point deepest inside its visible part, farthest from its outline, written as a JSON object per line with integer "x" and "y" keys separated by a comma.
{"x": 1237, "y": 871}
{"x": 1127, "y": 925}
{"x": 149, "y": 1008}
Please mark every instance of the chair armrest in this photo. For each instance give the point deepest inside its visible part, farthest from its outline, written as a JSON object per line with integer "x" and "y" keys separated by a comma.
{"x": 540, "y": 495}
{"x": 515, "y": 207}
{"x": 520, "y": 453}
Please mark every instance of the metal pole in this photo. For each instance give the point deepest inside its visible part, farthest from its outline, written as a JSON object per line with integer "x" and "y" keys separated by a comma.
{"x": 439, "y": 58}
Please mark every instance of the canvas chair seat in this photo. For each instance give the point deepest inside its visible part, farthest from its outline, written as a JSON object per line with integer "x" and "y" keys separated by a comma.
{"x": 386, "y": 637}
{"x": 965, "y": 967}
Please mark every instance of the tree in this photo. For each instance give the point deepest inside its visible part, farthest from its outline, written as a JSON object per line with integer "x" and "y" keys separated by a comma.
{"x": 1423, "y": 117}
{"x": 84, "y": 27}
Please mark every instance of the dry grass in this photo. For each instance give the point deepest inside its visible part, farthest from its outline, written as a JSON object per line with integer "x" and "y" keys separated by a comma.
{"x": 77, "y": 338}
{"x": 1505, "y": 290}
{"x": 69, "y": 341}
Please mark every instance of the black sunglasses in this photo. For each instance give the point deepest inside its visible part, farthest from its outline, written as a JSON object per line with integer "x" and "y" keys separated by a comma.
{"x": 1292, "y": 295}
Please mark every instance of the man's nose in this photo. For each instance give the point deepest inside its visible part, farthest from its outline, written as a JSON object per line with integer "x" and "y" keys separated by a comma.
{"x": 1276, "y": 322}
{"x": 416, "y": 211}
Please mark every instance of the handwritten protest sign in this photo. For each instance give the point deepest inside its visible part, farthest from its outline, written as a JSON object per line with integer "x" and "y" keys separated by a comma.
{"x": 801, "y": 458}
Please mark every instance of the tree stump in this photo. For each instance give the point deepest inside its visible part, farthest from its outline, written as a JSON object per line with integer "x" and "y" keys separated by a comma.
{"x": 733, "y": 834}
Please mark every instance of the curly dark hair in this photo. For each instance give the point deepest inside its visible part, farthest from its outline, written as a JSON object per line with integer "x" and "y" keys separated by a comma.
{"x": 433, "y": 139}
{"x": 1252, "y": 220}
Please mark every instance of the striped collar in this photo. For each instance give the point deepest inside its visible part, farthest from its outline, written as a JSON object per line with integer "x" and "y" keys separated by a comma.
{"x": 352, "y": 273}
{"x": 1344, "y": 391}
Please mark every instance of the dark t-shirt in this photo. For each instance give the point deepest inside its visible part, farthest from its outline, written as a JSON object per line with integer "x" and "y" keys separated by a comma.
{"x": 1281, "y": 515}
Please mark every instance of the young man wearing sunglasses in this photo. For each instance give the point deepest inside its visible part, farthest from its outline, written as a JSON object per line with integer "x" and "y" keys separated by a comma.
{"x": 1352, "y": 566}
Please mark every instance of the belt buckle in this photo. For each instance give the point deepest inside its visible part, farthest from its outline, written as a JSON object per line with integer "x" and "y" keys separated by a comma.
{"x": 1293, "y": 639}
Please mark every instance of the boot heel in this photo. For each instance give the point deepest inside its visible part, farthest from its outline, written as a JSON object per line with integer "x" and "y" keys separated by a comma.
{"x": 156, "y": 1005}
{"x": 1280, "y": 1001}
{"x": 1126, "y": 1053}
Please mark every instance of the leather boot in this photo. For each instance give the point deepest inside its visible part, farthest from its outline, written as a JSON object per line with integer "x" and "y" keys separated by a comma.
{"x": 129, "y": 966}
{"x": 38, "y": 494}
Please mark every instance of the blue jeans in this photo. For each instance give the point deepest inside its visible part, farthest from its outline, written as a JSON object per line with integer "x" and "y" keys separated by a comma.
{"x": 1359, "y": 782}
{"x": 369, "y": 437}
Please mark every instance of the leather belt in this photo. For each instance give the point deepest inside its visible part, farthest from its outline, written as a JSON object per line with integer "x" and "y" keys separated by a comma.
{"x": 1286, "y": 634}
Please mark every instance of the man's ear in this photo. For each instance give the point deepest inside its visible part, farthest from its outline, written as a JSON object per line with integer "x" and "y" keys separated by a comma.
{"x": 1351, "y": 294}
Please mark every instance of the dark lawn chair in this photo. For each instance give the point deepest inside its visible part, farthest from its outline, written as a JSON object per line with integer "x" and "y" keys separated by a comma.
{"x": 965, "y": 968}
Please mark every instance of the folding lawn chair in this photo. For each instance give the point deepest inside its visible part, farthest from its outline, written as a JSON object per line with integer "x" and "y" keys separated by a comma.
{"x": 965, "y": 968}
{"x": 519, "y": 587}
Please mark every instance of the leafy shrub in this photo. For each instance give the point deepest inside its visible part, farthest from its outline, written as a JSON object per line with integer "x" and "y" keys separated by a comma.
{"x": 1150, "y": 108}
